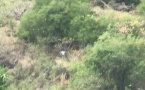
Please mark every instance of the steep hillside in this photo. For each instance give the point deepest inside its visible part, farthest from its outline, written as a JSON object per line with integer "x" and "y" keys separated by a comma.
{"x": 35, "y": 66}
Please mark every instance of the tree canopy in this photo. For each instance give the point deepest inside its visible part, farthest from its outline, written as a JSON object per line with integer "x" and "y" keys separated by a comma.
{"x": 57, "y": 19}
{"x": 118, "y": 59}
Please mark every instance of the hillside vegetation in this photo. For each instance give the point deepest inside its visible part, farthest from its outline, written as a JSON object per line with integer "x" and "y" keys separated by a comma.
{"x": 104, "y": 41}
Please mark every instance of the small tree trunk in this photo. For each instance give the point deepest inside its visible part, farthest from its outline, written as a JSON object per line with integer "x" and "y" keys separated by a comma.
{"x": 121, "y": 86}
{"x": 120, "y": 80}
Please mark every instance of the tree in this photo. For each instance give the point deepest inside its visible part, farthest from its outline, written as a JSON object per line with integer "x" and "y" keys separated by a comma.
{"x": 117, "y": 58}
{"x": 50, "y": 20}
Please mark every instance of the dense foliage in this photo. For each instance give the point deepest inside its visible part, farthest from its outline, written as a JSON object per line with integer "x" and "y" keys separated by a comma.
{"x": 118, "y": 60}
{"x": 53, "y": 20}
{"x": 141, "y": 7}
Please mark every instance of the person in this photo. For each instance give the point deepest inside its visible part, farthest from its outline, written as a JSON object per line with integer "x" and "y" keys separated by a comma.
{"x": 63, "y": 53}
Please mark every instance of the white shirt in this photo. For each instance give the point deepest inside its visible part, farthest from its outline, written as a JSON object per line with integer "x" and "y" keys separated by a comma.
{"x": 62, "y": 53}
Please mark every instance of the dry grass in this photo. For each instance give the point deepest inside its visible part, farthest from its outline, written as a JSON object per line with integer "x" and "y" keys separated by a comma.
{"x": 115, "y": 15}
{"x": 10, "y": 10}
{"x": 73, "y": 56}
{"x": 123, "y": 21}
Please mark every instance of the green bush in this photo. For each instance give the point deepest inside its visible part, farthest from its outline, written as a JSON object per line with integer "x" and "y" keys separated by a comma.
{"x": 141, "y": 7}
{"x": 52, "y": 20}
{"x": 117, "y": 57}
{"x": 82, "y": 78}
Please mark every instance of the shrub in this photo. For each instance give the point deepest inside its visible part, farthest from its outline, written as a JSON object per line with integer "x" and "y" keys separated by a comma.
{"x": 55, "y": 20}
{"x": 117, "y": 57}
{"x": 141, "y": 7}
{"x": 82, "y": 78}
